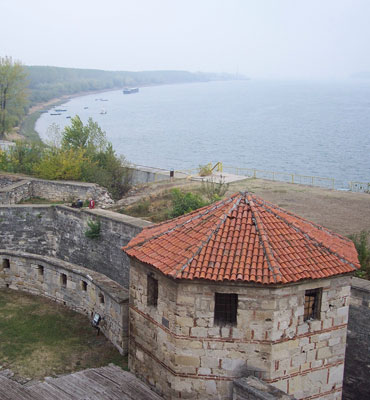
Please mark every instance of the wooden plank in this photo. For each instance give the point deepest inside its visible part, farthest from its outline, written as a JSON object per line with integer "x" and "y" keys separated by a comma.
{"x": 129, "y": 383}
{"x": 65, "y": 384}
{"x": 11, "y": 390}
{"x": 45, "y": 391}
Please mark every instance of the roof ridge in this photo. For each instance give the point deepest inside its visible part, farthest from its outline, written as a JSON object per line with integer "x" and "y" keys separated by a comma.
{"x": 271, "y": 262}
{"x": 305, "y": 234}
{"x": 194, "y": 217}
{"x": 209, "y": 236}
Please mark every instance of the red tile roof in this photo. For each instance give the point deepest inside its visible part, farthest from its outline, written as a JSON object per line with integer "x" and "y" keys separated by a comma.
{"x": 243, "y": 238}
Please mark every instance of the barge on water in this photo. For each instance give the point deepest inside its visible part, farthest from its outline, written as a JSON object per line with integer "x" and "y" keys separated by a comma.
{"x": 130, "y": 90}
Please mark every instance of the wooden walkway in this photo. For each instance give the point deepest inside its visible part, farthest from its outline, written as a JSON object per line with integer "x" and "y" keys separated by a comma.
{"x": 107, "y": 383}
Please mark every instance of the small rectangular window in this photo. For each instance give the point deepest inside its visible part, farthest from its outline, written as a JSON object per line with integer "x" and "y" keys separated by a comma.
{"x": 101, "y": 298}
{"x": 152, "y": 289}
{"x": 312, "y": 304}
{"x": 84, "y": 286}
{"x": 226, "y": 309}
{"x": 63, "y": 280}
{"x": 40, "y": 270}
{"x": 6, "y": 263}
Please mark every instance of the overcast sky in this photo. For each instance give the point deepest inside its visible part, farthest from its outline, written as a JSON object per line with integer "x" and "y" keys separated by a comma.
{"x": 259, "y": 38}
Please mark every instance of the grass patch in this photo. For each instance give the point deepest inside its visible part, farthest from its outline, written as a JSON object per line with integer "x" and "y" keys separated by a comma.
{"x": 42, "y": 338}
{"x": 27, "y": 128}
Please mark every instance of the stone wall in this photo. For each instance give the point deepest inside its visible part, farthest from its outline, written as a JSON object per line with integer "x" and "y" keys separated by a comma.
{"x": 357, "y": 365}
{"x": 82, "y": 290}
{"x": 177, "y": 348}
{"x": 53, "y": 190}
{"x": 59, "y": 231}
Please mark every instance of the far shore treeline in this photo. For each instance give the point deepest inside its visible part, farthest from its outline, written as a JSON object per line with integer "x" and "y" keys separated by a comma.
{"x": 46, "y": 83}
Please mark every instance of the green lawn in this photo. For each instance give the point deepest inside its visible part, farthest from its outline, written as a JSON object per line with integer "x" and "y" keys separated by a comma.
{"x": 42, "y": 338}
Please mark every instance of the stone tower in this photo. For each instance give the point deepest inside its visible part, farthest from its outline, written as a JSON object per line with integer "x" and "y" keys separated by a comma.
{"x": 237, "y": 288}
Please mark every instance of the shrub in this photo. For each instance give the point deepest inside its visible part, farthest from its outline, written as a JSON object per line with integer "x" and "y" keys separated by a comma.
{"x": 361, "y": 241}
{"x": 214, "y": 190}
{"x": 183, "y": 203}
{"x": 93, "y": 232}
{"x": 205, "y": 170}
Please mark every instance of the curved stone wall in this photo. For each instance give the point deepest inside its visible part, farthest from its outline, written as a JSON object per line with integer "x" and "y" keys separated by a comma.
{"x": 59, "y": 231}
{"x": 80, "y": 289}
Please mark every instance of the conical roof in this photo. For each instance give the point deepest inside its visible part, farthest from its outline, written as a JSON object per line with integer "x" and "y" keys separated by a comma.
{"x": 243, "y": 238}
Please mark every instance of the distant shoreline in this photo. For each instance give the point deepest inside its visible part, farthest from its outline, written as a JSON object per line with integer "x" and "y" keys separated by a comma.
{"x": 33, "y": 135}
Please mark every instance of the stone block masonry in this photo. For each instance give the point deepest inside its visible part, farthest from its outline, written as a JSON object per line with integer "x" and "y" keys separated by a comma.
{"x": 357, "y": 366}
{"x": 59, "y": 231}
{"x": 80, "y": 289}
{"x": 177, "y": 347}
{"x": 19, "y": 189}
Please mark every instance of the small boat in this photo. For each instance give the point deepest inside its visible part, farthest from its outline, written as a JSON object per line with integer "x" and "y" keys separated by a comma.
{"x": 103, "y": 111}
{"x": 55, "y": 113}
{"x": 130, "y": 90}
{"x": 60, "y": 110}
{"x": 68, "y": 116}
{"x": 103, "y": 99}
{"x": 85, "y": 108}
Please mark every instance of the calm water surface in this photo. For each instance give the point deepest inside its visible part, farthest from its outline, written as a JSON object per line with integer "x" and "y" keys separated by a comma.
{"x": 307, "y": 128}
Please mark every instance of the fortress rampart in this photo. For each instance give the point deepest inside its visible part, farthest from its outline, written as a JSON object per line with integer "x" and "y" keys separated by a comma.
{"x": 81, "y": 289}
{"x": 59, "y": 232}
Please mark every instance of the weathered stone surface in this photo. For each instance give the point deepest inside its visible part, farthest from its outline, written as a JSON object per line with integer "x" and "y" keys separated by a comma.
{"x": 299, "y": 359}
{"x": 252, "y": 388}
{"x": 59, "y": 231}
{"x": 25, "y": 188}
{"x": 357, "y": 366}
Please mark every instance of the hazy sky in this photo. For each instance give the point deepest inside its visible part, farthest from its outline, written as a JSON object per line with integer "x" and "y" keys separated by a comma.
{"x": 259, "y": 38}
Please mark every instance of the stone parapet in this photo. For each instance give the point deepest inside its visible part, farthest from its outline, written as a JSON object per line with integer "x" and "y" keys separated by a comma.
{"x": 79, "y": 288}
{"x": 25, "y": 188}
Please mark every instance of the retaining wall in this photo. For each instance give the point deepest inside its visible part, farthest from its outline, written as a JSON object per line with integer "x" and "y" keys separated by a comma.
{"x": 59, "y": 231}
{"x": 80, "y": 289}
{"x": 23, "y": 189}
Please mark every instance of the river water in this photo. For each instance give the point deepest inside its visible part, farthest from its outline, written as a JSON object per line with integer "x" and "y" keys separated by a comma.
{"x": 309, "y": 128}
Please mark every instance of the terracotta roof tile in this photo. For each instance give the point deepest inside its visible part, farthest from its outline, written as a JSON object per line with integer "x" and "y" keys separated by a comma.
{"x": 243, "y": 238}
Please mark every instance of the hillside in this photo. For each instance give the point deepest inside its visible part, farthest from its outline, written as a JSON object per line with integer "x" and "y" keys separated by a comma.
{"x": 46, "y": 83}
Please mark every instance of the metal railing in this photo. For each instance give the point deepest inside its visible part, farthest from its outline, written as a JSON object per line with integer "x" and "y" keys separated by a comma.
{"x": 317, "y": 181}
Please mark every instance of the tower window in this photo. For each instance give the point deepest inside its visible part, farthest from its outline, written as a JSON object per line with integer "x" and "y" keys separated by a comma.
{"x": 312, "y": 304}
{"x": 6, "y": 263}
{"x": 226, "y": 308}
{"x": 152, "y": 289}
{"x": 63, "y": 280}
{"x": 40, "y": 272}
{"x": 101, "y": 298}
{"x": 84, "y": 286}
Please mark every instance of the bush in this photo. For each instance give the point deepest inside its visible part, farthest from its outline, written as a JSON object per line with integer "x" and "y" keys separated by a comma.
{"x": 93, "y": 232}
{"x": 361, "y": 241}
{"x": 183, "y": 203}
{"x": 205, "y": 170}
{"x": 214, "y": 190}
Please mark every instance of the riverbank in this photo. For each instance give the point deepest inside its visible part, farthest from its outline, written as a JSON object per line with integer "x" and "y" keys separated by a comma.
{"x": 27, "y": 129}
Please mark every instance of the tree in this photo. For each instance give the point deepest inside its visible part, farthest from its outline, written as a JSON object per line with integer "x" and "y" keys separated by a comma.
{"x": 13, "y": 94}
{"x": 90, "y": 136}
